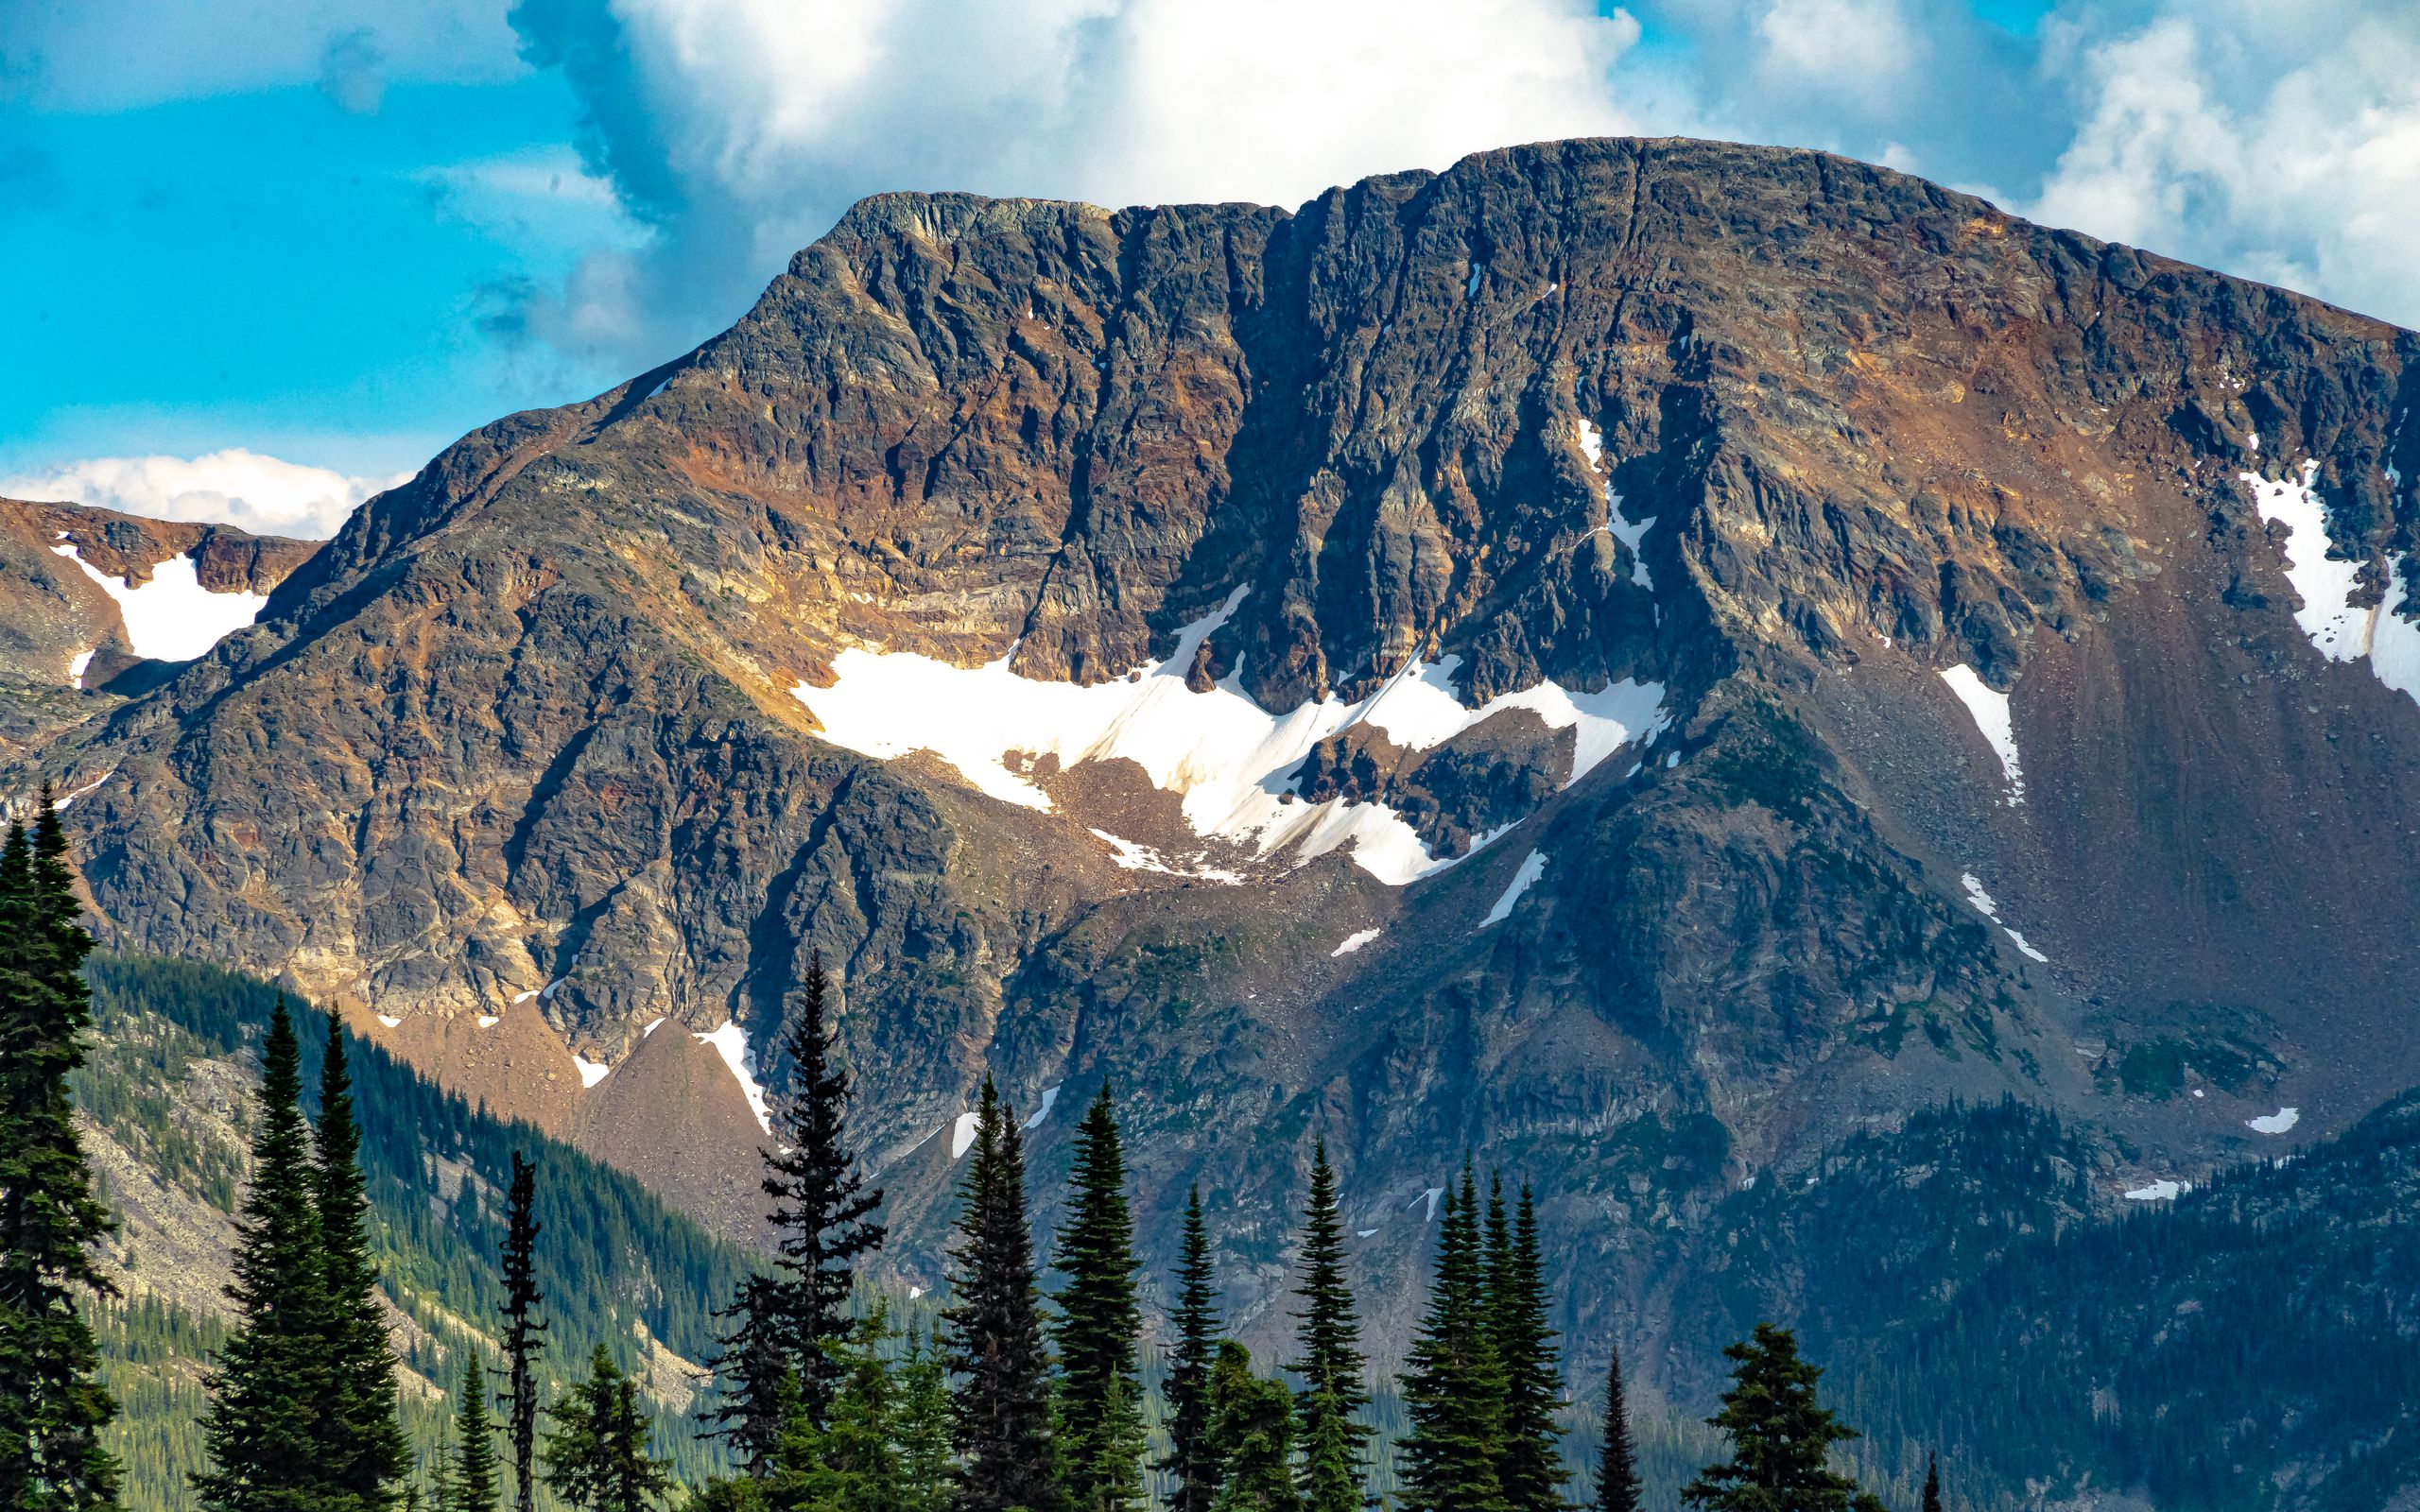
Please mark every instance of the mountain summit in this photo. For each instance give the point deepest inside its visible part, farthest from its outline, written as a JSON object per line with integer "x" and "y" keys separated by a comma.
{"x": 1650, "y": 655}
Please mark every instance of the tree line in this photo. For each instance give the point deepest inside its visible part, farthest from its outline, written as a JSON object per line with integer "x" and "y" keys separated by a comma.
{"x": 1017, "y": 1401}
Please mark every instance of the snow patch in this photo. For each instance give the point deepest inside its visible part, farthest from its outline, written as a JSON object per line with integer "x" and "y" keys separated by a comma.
{"x": 1364, "y": 1233}
{"x": 1049, "y": 1095}
{"x": 389, "y": 1021}
{"x": 2163, "y": 1189}
{"x": 1990, "y": 716}
{"x": 1631, "y": 534}
{"x": 489, "y": 1020}
{"x": 731, "y": 1042}
{"x": 1221, "y": 752}
{"x": 1534, "y": 865}
{"x": 1470, "y": 290}
{"x": 1355, "y": 941}
{"x": 2028, "y": 950}
{"x": 172, "y": 618}
{"x": 545, "y": 992}
{"x": 75, "y": 668}
{"x": 2325, "y": 583}
{"x": 2276, "y": 1123}
{"x": 62, "y": 806}
{"x": 961, "y": 1136}
{"x": 652, "y": 1026}
{"x": 591, "y": 1072}
{"x": 915, "y": 1292}
{"x": 1976, "y": 895}
{"x": 1430, "y": 1198}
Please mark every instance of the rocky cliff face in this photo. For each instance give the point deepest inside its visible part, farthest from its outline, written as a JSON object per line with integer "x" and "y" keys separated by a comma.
{"x": 1637, "y": 656}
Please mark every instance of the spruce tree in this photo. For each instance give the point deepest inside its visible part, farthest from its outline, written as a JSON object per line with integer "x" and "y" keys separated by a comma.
{"x": 1453, "y": 1385}
{"x": 1530, "y": 1471}
{"x": 757, "y": 1375}
{"x": 1192, "y": 1459}
{"x": 1253, "y": 1423}
{"x": 271, "y": 1383}
{"x": 853, "y": 1462}
{"x": 361, "y": 1439}
{"x": 1099, "y": 1396}
{"x": 1932, "y": 1482}
{"x": 1617, "y": 1483}
{"x": 525, "y": 1332}
{"x": 597, "y": 1455}
{"x": 923, "y": 1427}
{"x": 474, "y": 1488}
{"x": 1329, "y": 1344}
{"x": 53, "y": 1406}
{"x": 1781, "y": 1437}
{"x": 1001, "y": 1411}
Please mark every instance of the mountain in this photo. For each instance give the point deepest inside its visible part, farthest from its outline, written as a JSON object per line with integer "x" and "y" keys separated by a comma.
{"x": 93, "y": 599}
{"x": 1651, "y": 660}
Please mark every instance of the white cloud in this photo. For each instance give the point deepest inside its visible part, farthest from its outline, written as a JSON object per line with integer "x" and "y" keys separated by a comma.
{"x": 258, "y": 493}
{"x": 2282, "y": 145}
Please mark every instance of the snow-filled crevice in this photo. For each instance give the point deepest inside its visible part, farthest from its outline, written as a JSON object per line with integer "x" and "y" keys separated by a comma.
{"x": 1227, "y": 758}
{"x": 1631, "y": 533}
{"x": 2325, "y": 584}
{"x": 1990, "y": 712}
{"x": 1534, "y": 865}
{"x": 1985, "y": 906}
{"x": 172, "y": 618}
{"x": 731, "y": 1042}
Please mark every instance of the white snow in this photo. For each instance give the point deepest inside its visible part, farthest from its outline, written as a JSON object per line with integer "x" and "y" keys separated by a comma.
{"x": 1137, "y": 857}
{"x": 731, "y": 1042}
{"x": 1534, "y": 865}
{"x": 915, "y": 1292}
{"x": 2198, "y": 1092}
{"x": 2276, "y": 1123}
{"x": 62, "y": 806}
{"x": 1976, "y": 895}
{"x": 1431, "y": 1197}
{"x": 2252, "y": 439}
{"x": 1049, "y": 1095}
{"x": 652, "y": 1026}
{"x": 2163, "y": 1189}
{"x": 1225, "y": 755}
{"x": 489, "y": 1020}
{"x": 1991, "y": 714}
{"x": 2029, "y": 950}
{"x": 546, "y": 991}
{"x": 591, "y": 1072}
{"x": 1592, "y": 441}
{"x": 75, "y": 668}
{"x": 388, "y": 1020}
{"x": 1470, "y": 290}
{"x": 1364, "y": 1233}
{"x": 962, "y": 1136}
{"x": 1355, "y": 941}
{"x": 172, "y": 618}
{"x": 2335, "y": 628}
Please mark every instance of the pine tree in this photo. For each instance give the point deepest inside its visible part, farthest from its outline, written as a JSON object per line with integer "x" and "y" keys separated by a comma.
{"x": 361, "y": 1439}
{"x": 1932, "y": 1482}
{"x": 923, "y": 1426}
{"x": 852, "y": 1464}
{"x": 1531, "y": 1473}
{"x": 1453, "y": 1385}
{"x": 597, "y": 1455}
{"x": 756, "y": 1373}
{"x": 1192, "y": 1459}
{"x": 1331, "y": 1472}
{"x": 474, "y": 1466}
{"x": 1002, "y": 1408}
{"x": 525, "y": 1332}
{"x": 53, "y": 1406}
{"x": 1252, "y": 1419}
{"x": 1328, "y": 1340}
{"x": 1099, "y": 1396}
{"x": 1617, "y": 1483}
{"x": 822, "y": 1209}
{"x": 1781, "y": 1437}
{"x": 272, "y": 1382}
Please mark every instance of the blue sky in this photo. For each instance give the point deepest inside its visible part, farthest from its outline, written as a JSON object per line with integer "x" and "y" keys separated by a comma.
{"x": 330, "y": 235}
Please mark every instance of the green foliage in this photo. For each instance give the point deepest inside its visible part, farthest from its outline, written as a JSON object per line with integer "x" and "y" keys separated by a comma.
{"x": 1781, "y": 1438}
{"x": 1001, "y": 1410}
{"x": 1252, "y": 1422}
{"x": 472, "y": 1484}
{"x": 1617, "y": 1482}
{"x": 1100, "y": 1399}
{"x": 1328, "y": 1351}
{"x": 361, "y": 1443}
{"x": 597, "y": 1455}
{"x": 1530, "y": 1470}
{"x": 1453, "y": 1383}
{"x": 851, "y": 1463}
{"x": 1192, "y": 1459}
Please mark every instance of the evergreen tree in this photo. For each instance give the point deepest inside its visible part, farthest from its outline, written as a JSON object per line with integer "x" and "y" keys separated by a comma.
{"x": 1453, "y": 1385}
{"x": 1002, "y": 1426}
{"x": 1099, "y": 1396}
{"x": 1192, "y": 1459}
{"x": 53, "y": 1406}
{"x": 361, "y": 1439}
{"x": 822, "y": 1209}
{"x": 1932, "y": 1482}
{"x": 272, "y": 1384}
{"x": 852, "y": 1464}
{"x": 923, "y": 1426}
{"x": 756, "y": 1375}
{"x": 1328, "y": 1340}
{"x": 475, "y": 1466}
{"x": 1530, "y": 1471}
{"x": 1781, "y": 1437}
{"x": 597, "y": 1455}
{"x": 1252, "y": 1420}
{"x": 525, "y": 1332}
{"x": 1617, "y": 1483}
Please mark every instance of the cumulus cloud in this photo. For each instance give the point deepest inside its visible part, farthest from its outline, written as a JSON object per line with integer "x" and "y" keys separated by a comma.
{"x": 737, "y": 129}
{"x": 258, "y": 493}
